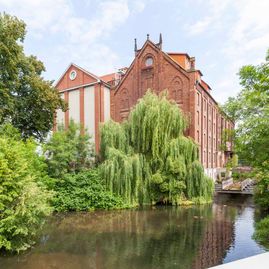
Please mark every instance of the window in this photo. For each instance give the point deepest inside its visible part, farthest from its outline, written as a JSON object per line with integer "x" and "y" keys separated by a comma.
{"x": 72, "y": 74}
{"x": 149, "y": 61}
{"x": 198, "y": 99}
{"x": 198, "y": 118}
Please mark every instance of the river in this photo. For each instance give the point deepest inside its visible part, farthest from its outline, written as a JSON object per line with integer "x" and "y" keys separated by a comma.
{"x": 192, "y": 237}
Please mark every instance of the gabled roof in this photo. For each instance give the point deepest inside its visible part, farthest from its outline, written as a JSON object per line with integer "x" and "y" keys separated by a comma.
{"x": 80, "y": 68}
{"x": 155, "y": 47}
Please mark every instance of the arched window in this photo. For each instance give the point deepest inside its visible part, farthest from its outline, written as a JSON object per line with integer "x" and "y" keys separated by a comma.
{"x": 124, "y": 100}
{"x": 149, "y": 61}
{"x": 176, "y": 91}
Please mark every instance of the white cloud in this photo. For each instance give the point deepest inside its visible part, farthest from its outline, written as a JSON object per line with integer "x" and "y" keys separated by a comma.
{"x": 214, "y": 10}
{"x": 200, "y": 26}
{"x": 138, "y": 5}
{"x": 250, "y": 28}
{"x": 80, "y": 38}
{"x": 243, "y": 26}
{"x": 39, "y": 15}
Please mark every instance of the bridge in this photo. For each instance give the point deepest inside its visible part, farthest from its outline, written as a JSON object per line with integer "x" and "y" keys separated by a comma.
{"x": 228, "y": 186}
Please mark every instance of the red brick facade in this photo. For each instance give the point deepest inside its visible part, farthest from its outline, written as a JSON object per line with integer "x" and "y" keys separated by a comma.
{"x": 156, "y": 70}
{"x": 176, "y": 73}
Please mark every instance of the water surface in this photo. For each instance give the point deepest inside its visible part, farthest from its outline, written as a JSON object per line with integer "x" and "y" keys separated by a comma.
{"x": 192, "y": 237}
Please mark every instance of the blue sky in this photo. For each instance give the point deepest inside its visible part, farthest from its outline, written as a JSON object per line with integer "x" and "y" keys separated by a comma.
{"x": 223, "y": 35}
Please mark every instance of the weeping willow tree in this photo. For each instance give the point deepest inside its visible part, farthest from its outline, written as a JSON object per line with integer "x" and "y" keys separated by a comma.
{"x": 147, "y": 159}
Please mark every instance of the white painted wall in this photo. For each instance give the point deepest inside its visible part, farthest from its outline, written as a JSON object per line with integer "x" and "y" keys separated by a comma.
{"x": 73, "y": 105}
{"x": 106, "y": 104}
{"x": 211, "y": 172}
{"x": 60, "y": 114}
{"x": 89, "y": 110}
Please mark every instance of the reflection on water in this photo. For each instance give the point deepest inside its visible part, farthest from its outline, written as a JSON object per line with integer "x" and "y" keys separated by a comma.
{"x": 160, "y": 237}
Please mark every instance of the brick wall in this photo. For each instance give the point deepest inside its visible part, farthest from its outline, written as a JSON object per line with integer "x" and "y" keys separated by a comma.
{"x": 185, "y": 87}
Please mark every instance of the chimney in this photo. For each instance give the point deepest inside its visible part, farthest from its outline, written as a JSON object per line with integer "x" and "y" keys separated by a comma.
{"x": 192, "y": 62}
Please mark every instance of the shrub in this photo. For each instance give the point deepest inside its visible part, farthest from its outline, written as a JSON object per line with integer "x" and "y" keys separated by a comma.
{"x": 24, "y": 202}
{"x": 83, "y": 191}
{"x": 262, "y": 189}
{"x": 68, "y": 151}
{"x": 262, "y": 231}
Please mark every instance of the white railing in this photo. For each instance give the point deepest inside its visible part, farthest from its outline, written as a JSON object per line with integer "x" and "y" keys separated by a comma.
{"x": 246, "y": 183}
{"x": 226, "y": 183}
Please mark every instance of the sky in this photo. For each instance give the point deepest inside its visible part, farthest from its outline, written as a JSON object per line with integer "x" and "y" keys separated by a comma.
{"x": 98, "y": 35}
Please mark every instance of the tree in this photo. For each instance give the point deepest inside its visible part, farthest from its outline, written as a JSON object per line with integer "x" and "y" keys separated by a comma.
{"x": 250, "y": 109}
{"x": 24, "y": 200}
{"x": 26, "y": 99}
{"x": 68, "y": 151}
{"x": 147, "y": 159}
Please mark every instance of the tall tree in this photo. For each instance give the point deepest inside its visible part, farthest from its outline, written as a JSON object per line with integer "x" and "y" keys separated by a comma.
{"x": 250, "y": 109}
{"x": 26, "y": 99}
{"x": 147, "y": 159}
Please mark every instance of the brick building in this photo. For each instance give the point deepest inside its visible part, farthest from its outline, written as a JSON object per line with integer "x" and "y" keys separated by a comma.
{"x": 94, "y": 99}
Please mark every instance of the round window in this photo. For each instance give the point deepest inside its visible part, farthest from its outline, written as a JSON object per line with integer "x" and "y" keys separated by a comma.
{"x": 149, "y": 61}
{"x": 72, "y": 74}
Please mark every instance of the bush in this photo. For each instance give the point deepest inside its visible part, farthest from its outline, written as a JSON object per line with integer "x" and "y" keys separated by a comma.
{"x": 24, "y": 202}
{"x": 262, "y": 231}
{"x": 68, "y": 151}
{"x": 82, "y": 192}
{"x": 262, "y": 189}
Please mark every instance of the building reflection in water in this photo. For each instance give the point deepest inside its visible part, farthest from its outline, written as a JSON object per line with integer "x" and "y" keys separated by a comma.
{"x": 218, "y": 238}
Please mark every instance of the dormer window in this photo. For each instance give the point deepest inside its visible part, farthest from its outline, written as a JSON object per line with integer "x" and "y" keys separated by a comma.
{"x": 149, "y": 61}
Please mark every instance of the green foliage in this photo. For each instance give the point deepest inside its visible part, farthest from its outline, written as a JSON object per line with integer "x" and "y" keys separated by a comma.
{"x": 232, "y": 162}
{"x": 83, "y": 191}
{"x": 262, "y": 189}
{"x": 251, "y": 111}
{"x": 68, "y": 151}
{"x": 26, "y": 99}
{"x": 227, "y": 136}
{"x": 23, "y": 198}
{"x": 147, "y": 159}
{"x": 240, "y": 176}
{"x": 262, "y": 232}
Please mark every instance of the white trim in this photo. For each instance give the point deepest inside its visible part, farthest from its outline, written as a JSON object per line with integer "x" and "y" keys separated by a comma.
{"x": 79, "y": 86}
{"x": 73, "y": 71}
